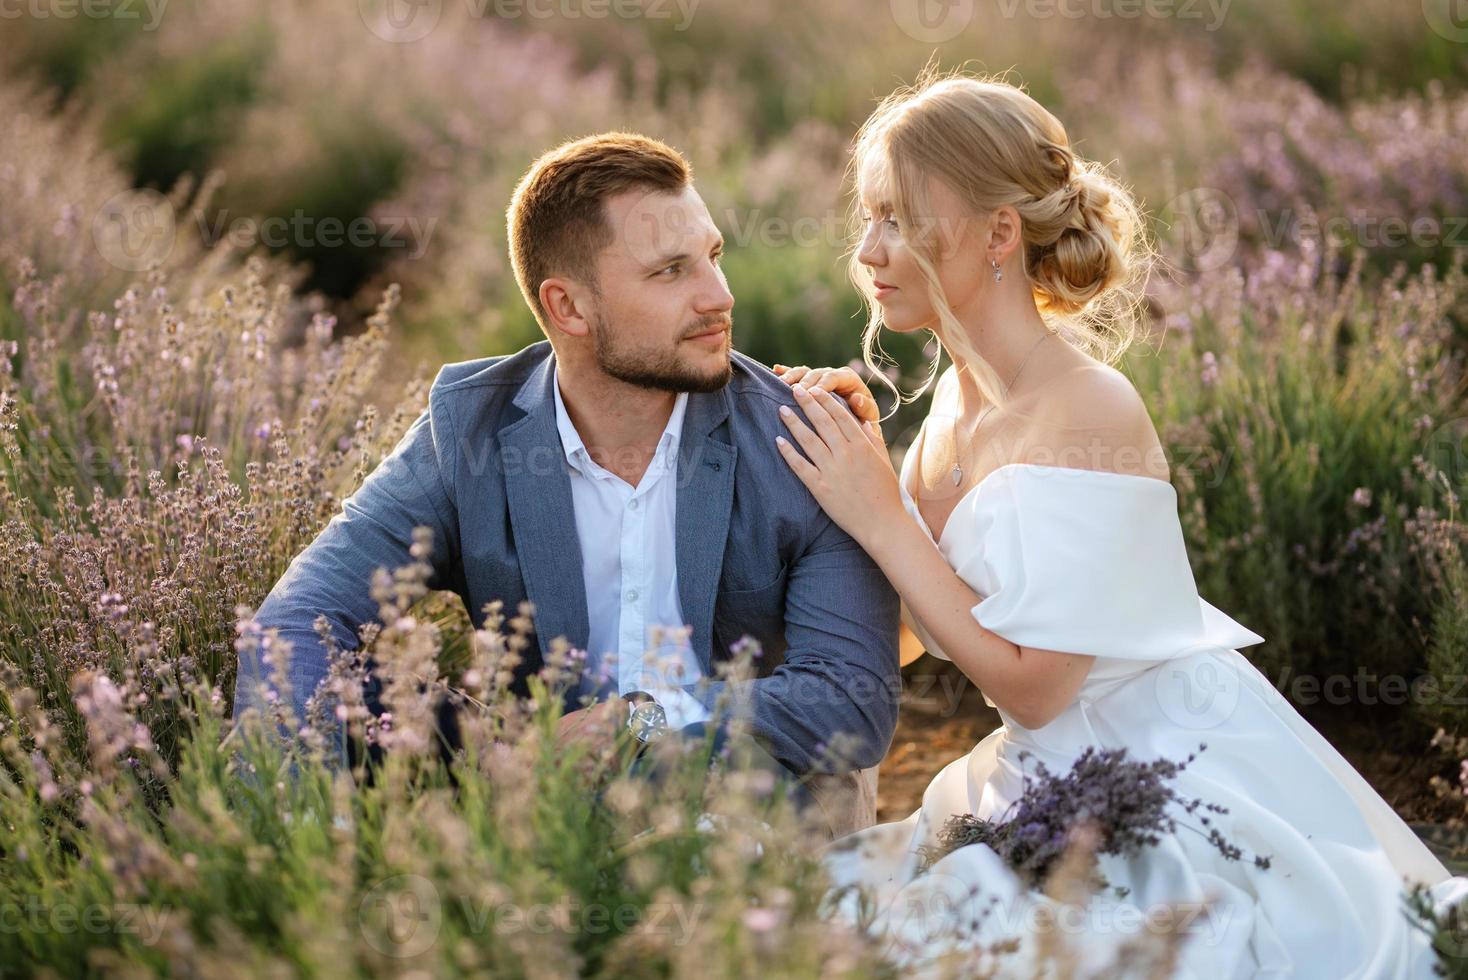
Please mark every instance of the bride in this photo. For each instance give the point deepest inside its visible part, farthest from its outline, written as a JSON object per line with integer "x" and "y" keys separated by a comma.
{"x": 1033, "y": 536}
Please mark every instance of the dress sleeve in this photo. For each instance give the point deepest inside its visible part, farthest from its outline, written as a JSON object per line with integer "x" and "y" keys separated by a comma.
{"x": 1086, "y": 561}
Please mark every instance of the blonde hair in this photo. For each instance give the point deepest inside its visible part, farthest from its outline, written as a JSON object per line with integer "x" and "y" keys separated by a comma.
{"x": 1085, "y": 251}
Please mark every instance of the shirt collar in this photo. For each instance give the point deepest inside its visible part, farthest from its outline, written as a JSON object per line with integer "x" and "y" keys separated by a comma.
{"x": 574, "y": 447}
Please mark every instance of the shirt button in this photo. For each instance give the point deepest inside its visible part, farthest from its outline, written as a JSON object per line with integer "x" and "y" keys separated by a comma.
{"x": 631, "y": 595}
{"x": 632, "y": 505}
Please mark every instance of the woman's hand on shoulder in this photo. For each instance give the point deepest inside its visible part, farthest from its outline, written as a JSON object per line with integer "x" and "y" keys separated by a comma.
{"x": 843, "y": 463}
{"x": 842, "y": 382}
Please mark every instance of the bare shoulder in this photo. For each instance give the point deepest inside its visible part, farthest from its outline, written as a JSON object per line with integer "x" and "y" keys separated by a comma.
{"x": 1092, "y": 417}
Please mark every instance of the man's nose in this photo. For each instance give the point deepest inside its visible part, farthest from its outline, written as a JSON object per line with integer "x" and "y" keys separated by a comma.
{"x": 715, "y": 297}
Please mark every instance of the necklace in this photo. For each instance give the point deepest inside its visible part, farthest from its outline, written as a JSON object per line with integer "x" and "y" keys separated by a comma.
{"x": 957, "y": 467}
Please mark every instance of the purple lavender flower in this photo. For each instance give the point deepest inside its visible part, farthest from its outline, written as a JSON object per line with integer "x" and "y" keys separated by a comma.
{"x": 1127, "y": 803}
{"x": 1210, "y": 369}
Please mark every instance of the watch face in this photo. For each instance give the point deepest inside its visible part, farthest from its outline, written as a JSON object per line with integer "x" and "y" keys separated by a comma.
{"x": 647, "y": 721}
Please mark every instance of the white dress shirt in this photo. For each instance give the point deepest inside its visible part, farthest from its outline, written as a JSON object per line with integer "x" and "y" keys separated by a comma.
{"x": 630, "y": 569}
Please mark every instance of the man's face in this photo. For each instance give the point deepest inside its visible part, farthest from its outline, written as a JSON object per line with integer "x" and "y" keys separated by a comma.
{"x": 661, "y": 316}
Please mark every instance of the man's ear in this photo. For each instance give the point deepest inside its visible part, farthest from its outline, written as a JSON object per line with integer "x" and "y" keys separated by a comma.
{"x": 567, "y": 306}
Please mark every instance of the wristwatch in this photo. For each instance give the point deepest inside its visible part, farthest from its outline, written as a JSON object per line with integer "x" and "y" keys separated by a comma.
{"x": 647, "y": 720}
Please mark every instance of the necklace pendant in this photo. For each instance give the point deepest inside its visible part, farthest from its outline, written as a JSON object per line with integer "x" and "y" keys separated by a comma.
{"x": 957, "y": 474}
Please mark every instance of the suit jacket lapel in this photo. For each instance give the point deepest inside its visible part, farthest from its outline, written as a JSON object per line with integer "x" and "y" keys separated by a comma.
{"x": 705, "y": 497}
{"x": 542, "y": 515}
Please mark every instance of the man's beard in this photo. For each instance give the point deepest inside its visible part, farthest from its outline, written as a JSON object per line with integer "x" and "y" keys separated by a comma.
{"x": 658, "y": 368}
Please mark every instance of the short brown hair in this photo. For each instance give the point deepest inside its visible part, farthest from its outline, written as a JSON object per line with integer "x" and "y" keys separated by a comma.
{"x": 557, "y": 223}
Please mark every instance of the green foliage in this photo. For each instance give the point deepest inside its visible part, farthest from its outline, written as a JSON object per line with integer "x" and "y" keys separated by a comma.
{"x": 1447, "y": 927}
{"x": 1297, "y": 411}
{"x": 522, "y": 854}
{"x": 1340, "y": 49}
{"x": 179, "y": 116}
{"x": 66, "y": 52}
{"x": 1447, "y": 652}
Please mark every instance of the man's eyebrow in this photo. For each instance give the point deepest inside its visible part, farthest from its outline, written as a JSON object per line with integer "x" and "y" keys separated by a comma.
{"x": 663, "y": 261}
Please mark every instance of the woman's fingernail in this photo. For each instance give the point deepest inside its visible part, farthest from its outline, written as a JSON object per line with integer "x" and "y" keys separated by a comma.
{"x": 785, "y": 410}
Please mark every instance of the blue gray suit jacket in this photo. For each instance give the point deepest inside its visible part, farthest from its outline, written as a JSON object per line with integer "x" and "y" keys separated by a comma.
{"x": 483, "y": 468}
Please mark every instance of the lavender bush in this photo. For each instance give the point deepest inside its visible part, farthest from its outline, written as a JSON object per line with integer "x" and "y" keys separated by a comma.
{"x": 162, "y": 465}
{"x": 1238, "y": 165}
{"x": 1448, "y": 930}
{"x": 181, "y": 412}
{"x": 252, "y": 856}
{"x": 1304, "y": 413}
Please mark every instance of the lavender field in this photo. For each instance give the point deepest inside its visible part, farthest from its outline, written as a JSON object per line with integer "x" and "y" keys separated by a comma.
{"x": 238, "y": 240}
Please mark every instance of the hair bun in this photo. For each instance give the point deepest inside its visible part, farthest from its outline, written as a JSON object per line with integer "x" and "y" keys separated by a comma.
{"x": 1084, "y": 247}
{"x": 1076, "y": 196}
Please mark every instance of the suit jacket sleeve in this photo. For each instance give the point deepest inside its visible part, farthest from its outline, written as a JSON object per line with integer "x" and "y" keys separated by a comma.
{"x": 332, "y": 576}
{"x": 831, "y": 706}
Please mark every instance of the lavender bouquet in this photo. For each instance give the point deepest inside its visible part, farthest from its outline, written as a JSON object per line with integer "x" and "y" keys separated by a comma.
{"x": 1122, "y": 805}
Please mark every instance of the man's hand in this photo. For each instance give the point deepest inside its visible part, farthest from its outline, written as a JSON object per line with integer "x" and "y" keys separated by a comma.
{"x": 596, "y": 726}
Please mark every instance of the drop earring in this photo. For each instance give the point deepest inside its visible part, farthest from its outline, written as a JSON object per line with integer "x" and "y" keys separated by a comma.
{"x": 998, "y": 275}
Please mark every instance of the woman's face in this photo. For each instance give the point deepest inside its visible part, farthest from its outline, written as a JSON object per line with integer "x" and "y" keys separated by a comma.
{"x": 950, "y": 232}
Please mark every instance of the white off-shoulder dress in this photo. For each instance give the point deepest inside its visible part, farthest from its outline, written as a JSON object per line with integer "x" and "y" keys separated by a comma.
{"x": 1094, "y": 562}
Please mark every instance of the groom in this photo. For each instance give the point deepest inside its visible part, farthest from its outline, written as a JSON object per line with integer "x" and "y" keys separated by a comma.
{"x": 623, "y": 476}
